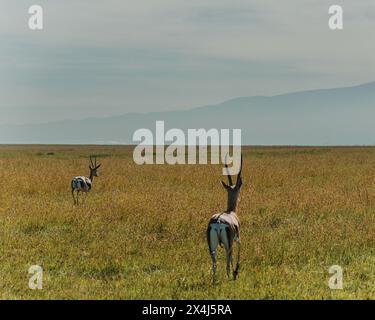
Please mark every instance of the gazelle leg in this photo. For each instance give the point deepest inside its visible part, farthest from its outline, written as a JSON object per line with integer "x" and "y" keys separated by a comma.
{"x": 235, "y": 272}
{"x": 213, "y": 242}
{"x": 214, "y": 262}
{"x": 74, "y": 199}
{"x": 229, "y": 261}
{"x": 227, "y": 239}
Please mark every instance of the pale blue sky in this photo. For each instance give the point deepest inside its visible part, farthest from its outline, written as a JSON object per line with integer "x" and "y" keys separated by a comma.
{"x": 100, "y": 58}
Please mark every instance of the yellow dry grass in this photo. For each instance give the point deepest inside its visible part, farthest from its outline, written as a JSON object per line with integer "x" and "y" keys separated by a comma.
{"x": 141, "y": 231}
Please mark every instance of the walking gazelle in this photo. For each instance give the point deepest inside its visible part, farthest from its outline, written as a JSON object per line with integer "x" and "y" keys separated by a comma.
{"x": 84, "y": 184}
{"x": 224, "y": 228}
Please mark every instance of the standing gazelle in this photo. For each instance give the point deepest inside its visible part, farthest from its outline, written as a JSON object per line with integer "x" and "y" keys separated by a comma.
{"x": 224, "y": 228}
{"x": 82, "y": 183}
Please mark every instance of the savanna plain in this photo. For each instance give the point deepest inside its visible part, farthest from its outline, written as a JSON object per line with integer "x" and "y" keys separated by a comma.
{"x": 140, "y": 233}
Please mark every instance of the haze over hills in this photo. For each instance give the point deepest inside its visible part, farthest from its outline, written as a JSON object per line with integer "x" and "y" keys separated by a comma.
{"x": 340, "y": 116}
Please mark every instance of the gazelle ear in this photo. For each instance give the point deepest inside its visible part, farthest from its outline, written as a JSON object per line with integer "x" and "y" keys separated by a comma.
{"x": 225, "y": 185}
{"x": 97, "y": 167}
{"x": 239, "y": 183}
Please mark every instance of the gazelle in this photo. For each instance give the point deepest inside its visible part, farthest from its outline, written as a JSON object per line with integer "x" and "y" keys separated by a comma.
{"x": 224, "y": 228}
{"x": 84, "y": 184}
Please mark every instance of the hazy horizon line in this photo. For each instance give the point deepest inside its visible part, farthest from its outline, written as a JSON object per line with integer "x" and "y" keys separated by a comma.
{"x": 190, "y": 108}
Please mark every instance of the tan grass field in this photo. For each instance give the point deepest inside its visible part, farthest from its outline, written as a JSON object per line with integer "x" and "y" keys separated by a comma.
{"x": 141, "y": 232}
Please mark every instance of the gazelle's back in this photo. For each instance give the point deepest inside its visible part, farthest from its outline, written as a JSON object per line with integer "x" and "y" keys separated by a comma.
{"x": 82, "y": 183}
{"x": 230, "y": 219}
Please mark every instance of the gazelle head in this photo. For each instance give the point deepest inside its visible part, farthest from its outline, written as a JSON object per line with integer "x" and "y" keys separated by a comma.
{"x": 233, "y": 190}
{"x": 93, "y": 168}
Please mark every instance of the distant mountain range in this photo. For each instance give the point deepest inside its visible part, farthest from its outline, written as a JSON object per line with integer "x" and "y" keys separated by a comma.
{"x": 341, "y": 116}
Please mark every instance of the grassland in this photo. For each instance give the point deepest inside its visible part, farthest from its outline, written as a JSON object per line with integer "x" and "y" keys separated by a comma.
{"x": 141, "y": 231}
